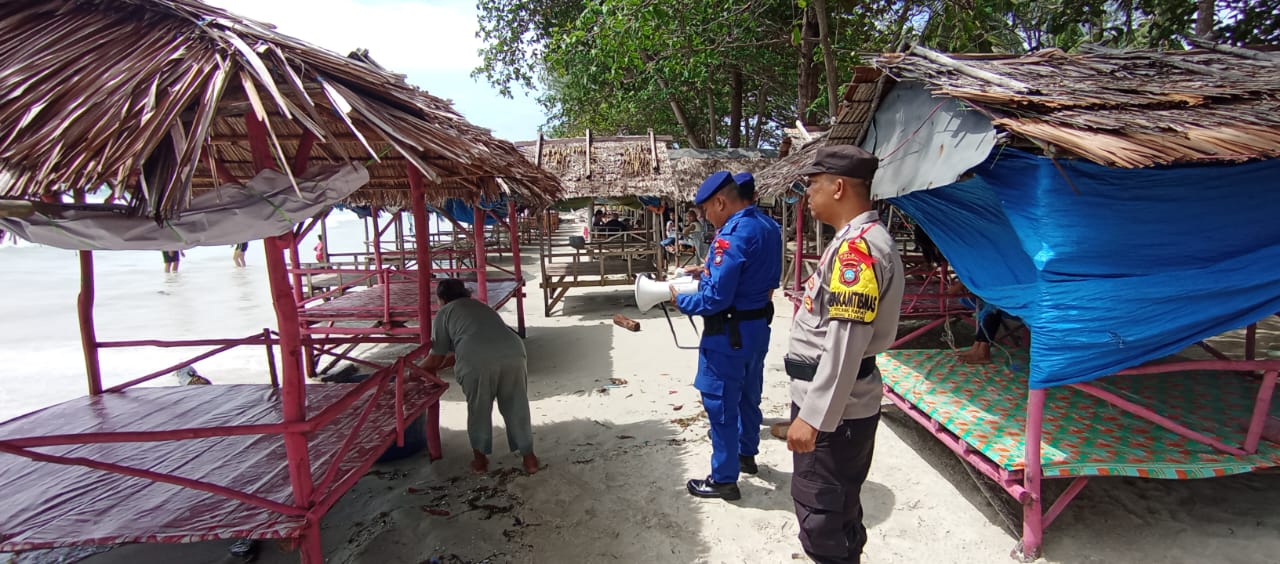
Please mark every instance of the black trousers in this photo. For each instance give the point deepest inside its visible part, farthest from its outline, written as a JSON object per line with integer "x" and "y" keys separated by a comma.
{"x": 826, "y": 486}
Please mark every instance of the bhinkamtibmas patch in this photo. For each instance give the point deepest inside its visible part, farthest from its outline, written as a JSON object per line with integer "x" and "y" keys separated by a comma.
{"x": 855, "y": 292}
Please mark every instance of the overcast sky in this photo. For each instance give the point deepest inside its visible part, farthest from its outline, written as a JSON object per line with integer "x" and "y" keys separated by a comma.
{"x": 433, "y": 42}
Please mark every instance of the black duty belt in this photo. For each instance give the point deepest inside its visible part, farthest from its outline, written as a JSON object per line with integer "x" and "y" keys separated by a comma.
{"x": 798, "y": 370}
{"x": 727, "y": 322}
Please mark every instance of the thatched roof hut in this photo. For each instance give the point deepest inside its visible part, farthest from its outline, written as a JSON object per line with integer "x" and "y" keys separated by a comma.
{"x": 635, "y": 165}
{"x": 774, "y": 180}
{"x": 1125, "y": 109}
{"x": 1116, "y": 108}
{"x": 150, "y": 97}
{"x": 619, "y": 166}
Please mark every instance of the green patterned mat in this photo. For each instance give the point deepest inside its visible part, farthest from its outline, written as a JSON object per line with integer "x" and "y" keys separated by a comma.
{"x": 1084, "y": 436}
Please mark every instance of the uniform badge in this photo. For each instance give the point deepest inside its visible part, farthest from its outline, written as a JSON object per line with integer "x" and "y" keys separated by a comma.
{"x": 719, "y": 258}
{"x": 808, "y": 304}
{"x": 854, "y": 292}
{"x": 722, "y": 244}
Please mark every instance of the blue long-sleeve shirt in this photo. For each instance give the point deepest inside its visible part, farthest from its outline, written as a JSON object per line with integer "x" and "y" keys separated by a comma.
{"x": 743, "y": 264}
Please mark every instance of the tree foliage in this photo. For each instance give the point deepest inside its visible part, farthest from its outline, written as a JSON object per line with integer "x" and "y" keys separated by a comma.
{"x": 738, "y": 71}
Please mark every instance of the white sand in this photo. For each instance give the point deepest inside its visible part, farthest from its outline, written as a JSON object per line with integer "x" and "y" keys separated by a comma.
{"x": 612, "y": 489}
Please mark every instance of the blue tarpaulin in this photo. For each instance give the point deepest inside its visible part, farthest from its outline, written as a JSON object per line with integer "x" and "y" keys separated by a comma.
{"x": 464, "y": 213}
{"x": 1111, "y": 268}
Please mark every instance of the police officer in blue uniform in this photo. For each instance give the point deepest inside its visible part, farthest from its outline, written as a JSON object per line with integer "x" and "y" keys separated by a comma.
{"x": 743, "y": 266}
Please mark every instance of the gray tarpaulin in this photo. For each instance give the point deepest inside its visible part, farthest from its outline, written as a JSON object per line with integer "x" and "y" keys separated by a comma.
{"x": 924, "y": 141}
{"x": 266, "y": 206}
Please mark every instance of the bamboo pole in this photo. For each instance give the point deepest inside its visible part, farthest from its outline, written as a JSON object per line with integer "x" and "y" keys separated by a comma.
{"x": 940, "y": 59}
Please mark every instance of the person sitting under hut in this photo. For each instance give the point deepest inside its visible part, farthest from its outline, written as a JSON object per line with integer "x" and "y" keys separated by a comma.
{"x": 990, "y": 319}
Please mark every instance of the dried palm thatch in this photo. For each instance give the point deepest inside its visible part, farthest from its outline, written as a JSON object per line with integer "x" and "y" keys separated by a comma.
{"x": 778, "y": 177}
{"x": 632, "y": 165}
{"x": 691, "y": 166}
{"x": 635, "y": 165}
{"x": 1116, "y": 108}
{"x": 153, "y": 98}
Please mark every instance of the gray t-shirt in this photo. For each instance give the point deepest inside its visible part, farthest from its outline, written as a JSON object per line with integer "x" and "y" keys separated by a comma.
{"x": 475, "y": 333}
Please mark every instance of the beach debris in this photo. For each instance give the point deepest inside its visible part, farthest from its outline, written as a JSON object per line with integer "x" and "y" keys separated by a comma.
{"x": 605, "y": 425}
{"x": 389, "y": 474}
{"x": 602, "y": 391}
{"x": 436, "y": 511}
{"x": 245, "y": 549}
{"x": 626, "y": 322}
{"x": 187, "y": 376}
{"x": 677, "y": 407}
{"x": 617, "y": 381}
{"x": 685, "y": 422}
{"x": 477, "y": 496}
{"x": 584, "y": 460}
{"x": 624, "y": 437}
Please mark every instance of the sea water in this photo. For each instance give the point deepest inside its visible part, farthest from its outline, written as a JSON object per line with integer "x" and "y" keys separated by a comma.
{"x": 41, "y": 360}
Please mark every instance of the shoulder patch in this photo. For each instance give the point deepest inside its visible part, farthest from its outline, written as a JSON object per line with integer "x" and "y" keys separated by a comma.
{"x": 854, "y": 292}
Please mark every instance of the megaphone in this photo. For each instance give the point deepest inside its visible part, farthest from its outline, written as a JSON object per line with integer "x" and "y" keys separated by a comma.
{"x": 650, "y": 292}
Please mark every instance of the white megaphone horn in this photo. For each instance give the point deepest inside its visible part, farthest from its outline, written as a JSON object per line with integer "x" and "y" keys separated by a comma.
{"x": 650, "y": 292}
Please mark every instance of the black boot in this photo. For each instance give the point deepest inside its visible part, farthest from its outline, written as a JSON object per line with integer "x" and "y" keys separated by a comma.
{"x": 708, "y": 488}
{"x": 747, "y": 464}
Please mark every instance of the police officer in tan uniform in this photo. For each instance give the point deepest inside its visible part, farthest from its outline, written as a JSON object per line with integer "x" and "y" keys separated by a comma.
{"x": 849, "y": 314}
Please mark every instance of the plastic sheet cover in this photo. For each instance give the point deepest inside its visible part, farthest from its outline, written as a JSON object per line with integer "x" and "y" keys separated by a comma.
{"x": 1111, "y": 268}
{"x": 267, "y": 205}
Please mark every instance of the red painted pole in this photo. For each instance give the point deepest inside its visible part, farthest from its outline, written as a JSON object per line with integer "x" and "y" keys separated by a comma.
{"x": 482, "y": 267}
{"x": 423, "y": 252}
{"x": 514, "y": 223}
{"x": 293, "y": 385}
{"x": 422, "y": 240}
{"x": 88, "y": 335}
{"x": 1032, "y": 515}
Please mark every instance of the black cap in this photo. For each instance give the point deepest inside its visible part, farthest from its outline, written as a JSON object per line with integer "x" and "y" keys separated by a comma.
{"x": 843, "y": 160}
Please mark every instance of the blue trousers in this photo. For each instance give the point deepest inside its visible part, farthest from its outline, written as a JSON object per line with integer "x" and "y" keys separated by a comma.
{"x": 731, "y": 385}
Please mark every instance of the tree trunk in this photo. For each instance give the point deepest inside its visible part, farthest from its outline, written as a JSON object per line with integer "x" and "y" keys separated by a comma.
{"x": 807, "y": 90}
{"x": 712, "y": 120}
{"x": 735, "y": 109}
{"x": 828, "y": 57}
{"x": 1204, "y": 18}
{"x": 694, "y": 140}
{"x": 761, "y": 100}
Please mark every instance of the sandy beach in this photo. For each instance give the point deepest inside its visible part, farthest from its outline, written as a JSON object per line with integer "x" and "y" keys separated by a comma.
{"x": 619, "y": 428}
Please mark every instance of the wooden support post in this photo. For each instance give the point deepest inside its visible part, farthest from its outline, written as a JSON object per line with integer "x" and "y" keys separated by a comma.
{"x": 423, "y": 252}
{"x": 482, "y": 266}
{"x": 1032, "y": 513}
{"x": 88, "y": 334}
{"x": 293, "y": 385}
{"x": 518, "y": 271}
{"x": 422, "y": 240}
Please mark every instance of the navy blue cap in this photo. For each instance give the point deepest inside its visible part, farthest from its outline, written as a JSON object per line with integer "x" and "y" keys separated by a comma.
{"x": 712, "y": 185}
{"x": 745, "y": 180}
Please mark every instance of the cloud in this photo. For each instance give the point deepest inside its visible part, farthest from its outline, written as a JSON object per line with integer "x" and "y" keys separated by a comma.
{"x": 433, "y": 43}
{"x": 401, "y": 35}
